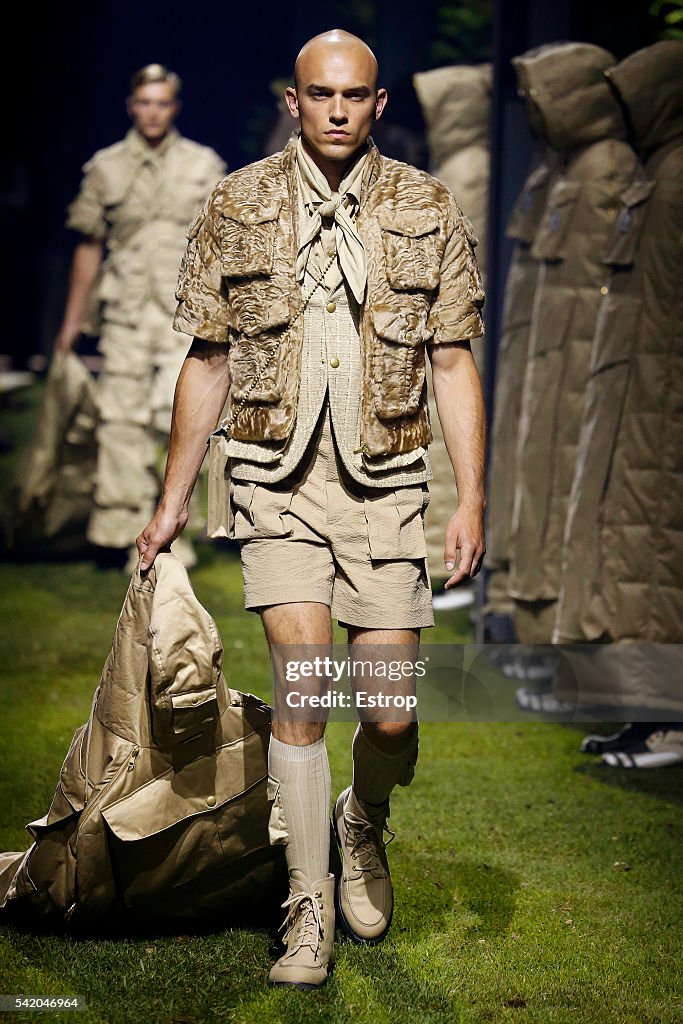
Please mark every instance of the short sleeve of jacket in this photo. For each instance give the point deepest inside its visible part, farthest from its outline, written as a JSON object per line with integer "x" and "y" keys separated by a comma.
{"x": 455, "y": 313}
{"x": 87, "y": 213}
{"x": 202, "y": 310}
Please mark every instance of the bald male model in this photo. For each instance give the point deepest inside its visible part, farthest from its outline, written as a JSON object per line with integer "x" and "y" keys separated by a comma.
{"x": 314, "y": 283}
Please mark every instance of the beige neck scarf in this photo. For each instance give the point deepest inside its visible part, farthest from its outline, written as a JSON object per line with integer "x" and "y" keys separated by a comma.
{"x": 321, "y": 202}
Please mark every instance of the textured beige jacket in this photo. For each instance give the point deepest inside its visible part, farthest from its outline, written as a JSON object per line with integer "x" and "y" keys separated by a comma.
{"x": 161, "y": 809}
{"x": 237, "y": 284}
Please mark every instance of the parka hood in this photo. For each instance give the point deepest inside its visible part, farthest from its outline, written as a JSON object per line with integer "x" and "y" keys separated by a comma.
{"x": 456, "y": 104}
{"x": 569, "y": 100}
{"x": 650, "y": 85}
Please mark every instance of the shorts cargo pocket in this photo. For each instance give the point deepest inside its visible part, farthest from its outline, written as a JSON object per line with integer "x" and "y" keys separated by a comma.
{"x": 395, "y": 522}
{"x": 277, "y": 825}
{"x": 412, "y": 248}
{"x": 248, "y": 238}
{"x": 259, "y": 511}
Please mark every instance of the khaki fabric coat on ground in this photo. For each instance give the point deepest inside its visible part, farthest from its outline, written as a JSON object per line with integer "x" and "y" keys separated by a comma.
{"x": 161, "y": 810}
{"x": 581, "y": 119}
{"x": 50, "y": 498}
{"x": 511, "y": 362}
{"x": 456, "y": 103}
{"x": 623, "y": 553}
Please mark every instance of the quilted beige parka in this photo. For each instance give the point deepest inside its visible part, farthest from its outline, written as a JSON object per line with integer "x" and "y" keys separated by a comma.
{"x": 237, "y": 284}
{"x": 456, "y": 103}
{"x": 623, "y": 553}
{"x": 511, "y": 362}
{"x": 582, "y": 120}
{"x": 161, "y": 810}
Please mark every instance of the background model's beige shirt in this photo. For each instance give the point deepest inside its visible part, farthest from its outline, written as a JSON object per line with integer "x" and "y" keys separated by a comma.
{"x": 330, "y": 372}
{"x": 139, "y": 199}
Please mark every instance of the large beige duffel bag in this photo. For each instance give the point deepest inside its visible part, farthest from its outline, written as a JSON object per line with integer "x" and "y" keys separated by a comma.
{"x": 161, "y": 810}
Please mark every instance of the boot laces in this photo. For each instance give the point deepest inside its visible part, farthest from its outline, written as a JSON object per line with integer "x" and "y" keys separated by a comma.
{"x": 303, "y": 920}
{"x": 368, "y": 842}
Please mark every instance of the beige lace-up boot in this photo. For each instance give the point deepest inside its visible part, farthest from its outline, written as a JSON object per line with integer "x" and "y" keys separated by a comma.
{"x": 308, "y": 934}
{"x": 365, "y": 898}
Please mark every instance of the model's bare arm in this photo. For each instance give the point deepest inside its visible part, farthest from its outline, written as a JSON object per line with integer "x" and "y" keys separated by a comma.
{"x": 460, "y": 404}
{"x": 200, "y": 395}
{"x": 84, "y": 266}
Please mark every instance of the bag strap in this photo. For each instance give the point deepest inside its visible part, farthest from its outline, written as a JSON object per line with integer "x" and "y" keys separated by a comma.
{"x": 226, "y": 425}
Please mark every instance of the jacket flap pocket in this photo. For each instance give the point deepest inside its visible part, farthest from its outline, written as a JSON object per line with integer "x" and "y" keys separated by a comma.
{"x": 248, "y": 238}
{"x": 413, "y": 223}
{"x": 549, "y": 242}
{"x": 200, "y": 787}
{"x": 528, "y": 209}
{"x": 252, "y": 213}
{"x": 404, "y": 326}
{"x": 193, "y": 699}
{"x": 624, "y": 240}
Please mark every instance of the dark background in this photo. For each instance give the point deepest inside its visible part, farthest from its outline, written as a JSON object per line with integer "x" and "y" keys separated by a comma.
{"x": 65, "y": 99}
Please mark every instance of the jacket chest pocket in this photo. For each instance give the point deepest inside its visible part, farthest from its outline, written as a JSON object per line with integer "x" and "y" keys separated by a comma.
{"x": 550, "y": 242}
{"x": 623, "y": 243}
{"x": 248, "y": 239}
{"x": 412, "y": 249}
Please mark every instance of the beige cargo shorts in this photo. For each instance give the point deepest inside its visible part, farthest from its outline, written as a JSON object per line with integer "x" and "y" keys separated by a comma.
{"x": 319, "y": 536}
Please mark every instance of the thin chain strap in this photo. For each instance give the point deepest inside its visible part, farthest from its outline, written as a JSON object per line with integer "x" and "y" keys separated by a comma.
{"x": 227, "y": 424}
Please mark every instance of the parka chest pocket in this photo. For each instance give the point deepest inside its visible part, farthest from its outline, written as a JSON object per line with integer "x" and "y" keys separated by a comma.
{"x": 248, "y": 239}
{"x": 412, "y": 248}
{"x": 623, "y": 243}
{"x": 550, "y": 242}
{"x": 528, "y": 209}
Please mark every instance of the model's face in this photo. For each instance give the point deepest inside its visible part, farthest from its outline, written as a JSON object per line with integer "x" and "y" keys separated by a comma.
{"x": 153, "y": 108}
{"x": 337, "y": 101}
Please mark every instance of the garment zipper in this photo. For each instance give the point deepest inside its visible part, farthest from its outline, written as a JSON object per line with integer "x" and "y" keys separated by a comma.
{"x": 362, "y": 450}
{"x": 128, "y": 765}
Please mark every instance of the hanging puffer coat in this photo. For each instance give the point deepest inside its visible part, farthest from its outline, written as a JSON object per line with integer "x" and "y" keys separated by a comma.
{"x": 583, "y": 121}
{"x": 161, "y": 811}
{"x": 456, "y": 104}
{"x": 511, "y": 361}
{"x": 623, "y": 554}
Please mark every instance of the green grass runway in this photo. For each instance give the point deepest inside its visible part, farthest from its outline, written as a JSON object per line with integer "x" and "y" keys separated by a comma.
{"x": 532, "y": 884}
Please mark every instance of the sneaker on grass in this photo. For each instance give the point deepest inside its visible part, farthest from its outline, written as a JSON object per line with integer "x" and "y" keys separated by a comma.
{"x": 660, "y": 749}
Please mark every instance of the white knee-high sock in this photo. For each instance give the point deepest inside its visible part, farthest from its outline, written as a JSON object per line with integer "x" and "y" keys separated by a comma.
{"x": 375, "y": 773}
{"x": 304, "y": 777}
